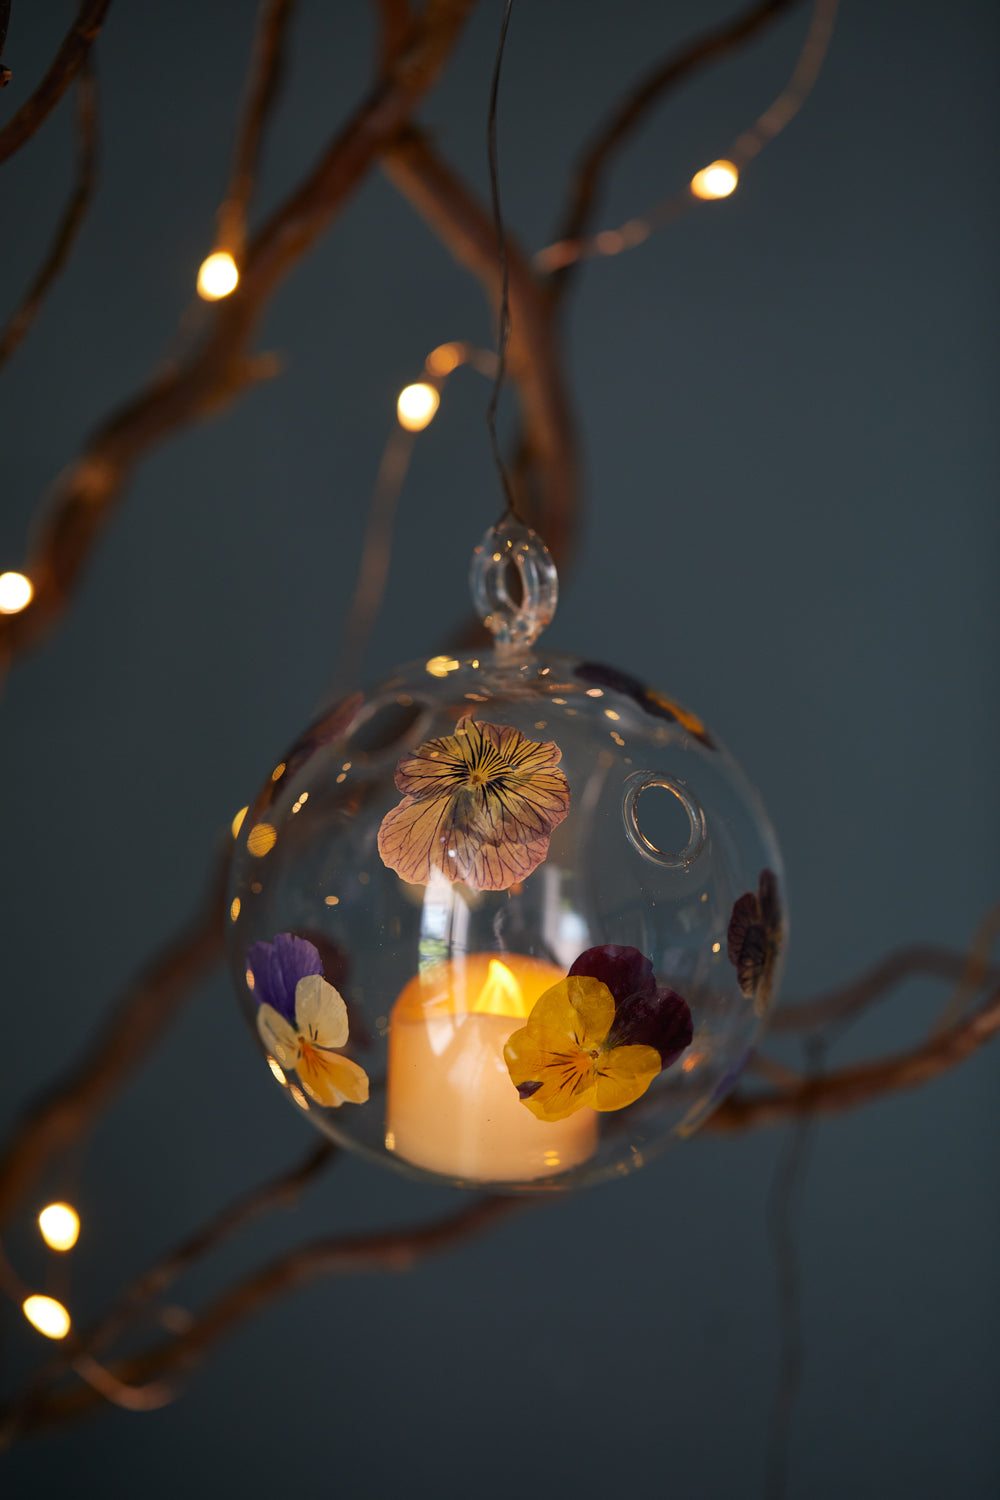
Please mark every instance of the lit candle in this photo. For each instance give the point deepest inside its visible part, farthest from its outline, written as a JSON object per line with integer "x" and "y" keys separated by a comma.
{"x": 451, "y": 1105}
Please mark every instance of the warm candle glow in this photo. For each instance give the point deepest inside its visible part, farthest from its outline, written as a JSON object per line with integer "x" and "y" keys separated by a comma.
{"x": 60, "y": 1226}
{"x": 47, "y": 1315}
{"x": 217, "y": 276}
{"x": 717, "y": 180}
{"x": 416, "y": 406}
{"x": 451, "y": 1105}
{"x": 15, "y": 593}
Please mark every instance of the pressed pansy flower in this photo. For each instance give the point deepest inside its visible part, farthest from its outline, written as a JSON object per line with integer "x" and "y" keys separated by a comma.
{"x": 302, "y": 1020}
{"x": 478, "y": 805}
{"x": 598, "y": 1038}
{"x": 754, "y": 939}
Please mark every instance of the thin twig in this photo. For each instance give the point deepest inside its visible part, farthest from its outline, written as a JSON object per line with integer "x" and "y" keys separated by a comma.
{"x": 5, "y": 73}
{"x": 221, "y": 367}
{"x": 65, "y": 66}
{"x": 395, "y": 22}
{"x": 393, "y": 1250}
{"x": 133, "y": 1302}
{"x": 533, "y": 356}
{"x": 263, "y": 87}
{"x": 711, "y": 46}
{"x": 851, "y": 1087}
{"x": 137, "y": 1024}
{"x": 376, "y": 552}
{"x": 743, "y": 150}
{"x": 73, "y": 215}
{"x": 922, "y": 960}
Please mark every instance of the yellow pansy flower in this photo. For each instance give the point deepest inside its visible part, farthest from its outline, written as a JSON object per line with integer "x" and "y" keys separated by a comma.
{"x": 566, "y": 1059}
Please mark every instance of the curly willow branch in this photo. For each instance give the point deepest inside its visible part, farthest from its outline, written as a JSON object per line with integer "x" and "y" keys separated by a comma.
{"x": 711, "y": 46}
{"x": 65, "y": 66}
{"x": 72, "y": 219}
{"x": 851, "y": 1087}
{"x": 221, "y": 367}
{"x": 349, "y": 1255}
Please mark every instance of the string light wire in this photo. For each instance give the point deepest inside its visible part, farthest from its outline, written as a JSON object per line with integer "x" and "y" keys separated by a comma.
{"x": 503, "y": 330}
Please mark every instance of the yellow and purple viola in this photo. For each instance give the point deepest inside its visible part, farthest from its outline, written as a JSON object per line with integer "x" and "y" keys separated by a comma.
{"x": 599, "y": 1037}
{"x": 302, "y": 1020}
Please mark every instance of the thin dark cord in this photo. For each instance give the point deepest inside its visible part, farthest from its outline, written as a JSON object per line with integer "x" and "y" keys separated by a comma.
{"x": 503, "y": 332}
{"x": 784, "y": 1201}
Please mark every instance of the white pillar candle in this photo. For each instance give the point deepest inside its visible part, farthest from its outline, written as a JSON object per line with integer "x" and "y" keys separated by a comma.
{"x": 451, "y": 1105}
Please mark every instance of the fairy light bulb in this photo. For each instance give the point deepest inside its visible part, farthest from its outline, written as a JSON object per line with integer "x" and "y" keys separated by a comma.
{"x": 16, "y": 593}
{"x": 60, "y": 1226}
{"x": 217, "y": 276}
{"x": 416, "y": 406}
{"x": 717, "y": 180}
{"x": 47, "y": 1315}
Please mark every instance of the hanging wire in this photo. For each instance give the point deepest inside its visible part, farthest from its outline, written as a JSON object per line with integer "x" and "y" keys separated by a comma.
{"x": 503, "y": 332}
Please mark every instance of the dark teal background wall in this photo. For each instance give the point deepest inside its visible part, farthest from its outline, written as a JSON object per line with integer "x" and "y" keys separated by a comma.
{"x": 787, "y": 409}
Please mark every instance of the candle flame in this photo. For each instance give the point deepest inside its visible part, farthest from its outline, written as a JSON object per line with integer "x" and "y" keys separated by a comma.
{"x": 501, "y": 995}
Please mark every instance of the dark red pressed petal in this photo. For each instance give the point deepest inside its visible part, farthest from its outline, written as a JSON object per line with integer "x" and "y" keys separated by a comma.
{"x": 625, "y": 971}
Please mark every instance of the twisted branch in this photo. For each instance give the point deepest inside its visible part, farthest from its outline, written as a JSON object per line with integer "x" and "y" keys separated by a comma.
{"x": 65, "y": 66}
{"x": 136, "y": 1025}
{"x": 533, "y": 360}
{"x": 73, "y": 215}
{"x": 393, "y": 1250}
{"x": 711, "y": 46}
{"x": 221, "y": 367}
{"x": 851, "y": 1087}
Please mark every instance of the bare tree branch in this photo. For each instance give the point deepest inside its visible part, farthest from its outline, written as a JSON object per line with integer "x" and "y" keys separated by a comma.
{"x": 147, "y": 1008}
{"x": 133, "y": 1302}
{"x": 850, "y": 1087}
{"x": 86, "y": 493}
{"x": 264, "y": 83}
{"x": 533, "y": 355}
{"x": 851, "y": 999}
{"x": 73, "y": 215}
{"x": 783, "y": 109}
{"x": 349, "y": 1255}
{"x": 65, "y": 66}
{"x": 5, "y": 74}
{"x": 711, "y": 46}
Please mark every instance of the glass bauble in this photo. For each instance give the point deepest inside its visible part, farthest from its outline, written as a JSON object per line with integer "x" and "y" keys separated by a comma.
{"x": 433, "y": 858}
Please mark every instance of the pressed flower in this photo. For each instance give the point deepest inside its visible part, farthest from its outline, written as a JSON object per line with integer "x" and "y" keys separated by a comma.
{"x": 302, "y": 1020}
{"x": 754, "y": 939}
{"x": 598, "y": 1038}
{"x": 478, "y": 806}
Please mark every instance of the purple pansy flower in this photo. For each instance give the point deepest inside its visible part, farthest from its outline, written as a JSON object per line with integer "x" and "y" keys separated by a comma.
{"x": 754, "y": 938}
{"x": 277, "y": 968}
{"x": 646, "y": 1014}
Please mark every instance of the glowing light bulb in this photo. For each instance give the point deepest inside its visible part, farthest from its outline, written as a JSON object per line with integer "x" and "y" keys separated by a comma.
{"x": 717, "y": 180}
{"x": 60, "y": 1226}
{"x": 15, "y": 593}
{"x": 416, "y": 406}
{"x": 440, "y": 666}
{"x": 238, "y": 820}
{"x": 47, "y": 1315}
{"x": 217, "y": 276}
{"x": 445, "y": 358}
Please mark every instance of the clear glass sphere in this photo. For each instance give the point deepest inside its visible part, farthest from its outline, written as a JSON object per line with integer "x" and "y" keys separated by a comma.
{"x": 511, "y": 918}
